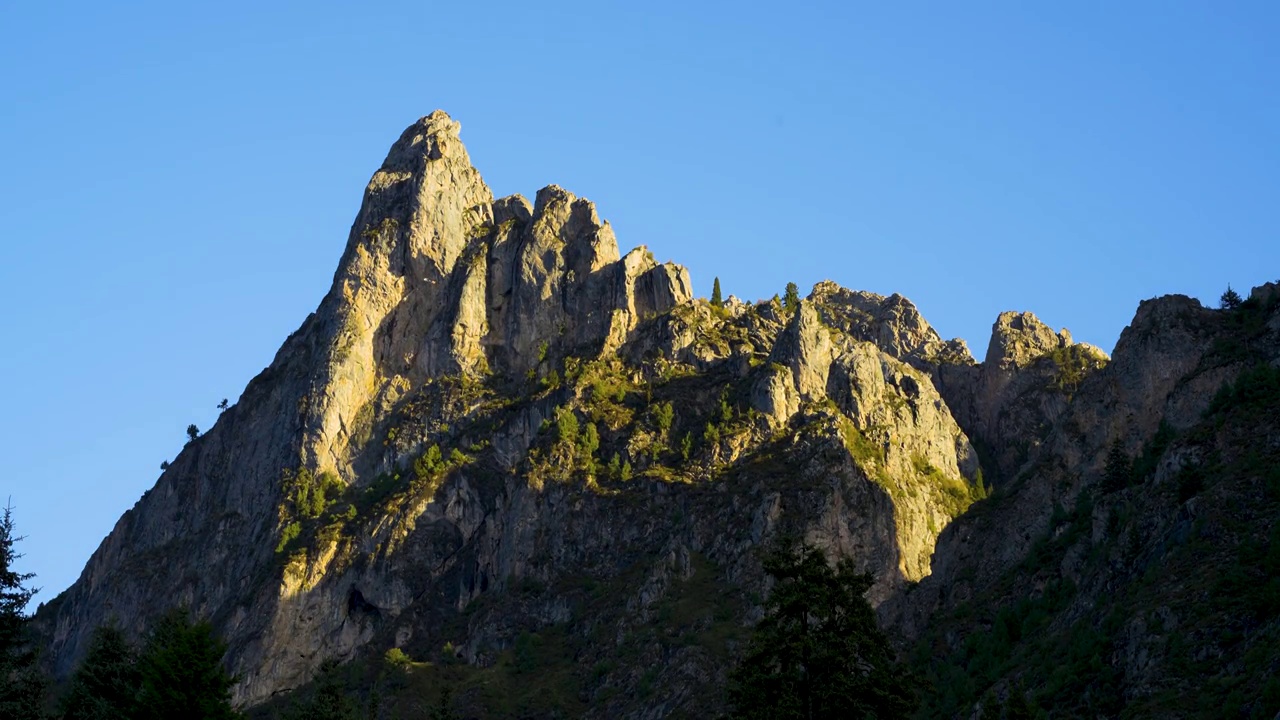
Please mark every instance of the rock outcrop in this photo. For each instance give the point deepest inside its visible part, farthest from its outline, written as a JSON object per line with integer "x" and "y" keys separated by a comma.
{"x": 437, "y": 279}
{"x": 1009, "y": 402}
{"x": 467, "y": 323}
{"x": 498, "y": 433}
{"x": 1115, "y": 559}
{"x": 891, "y": 323}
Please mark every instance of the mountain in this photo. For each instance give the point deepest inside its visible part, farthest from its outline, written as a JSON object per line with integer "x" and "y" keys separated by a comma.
{"x": 1129, "y": 564}
{"x": 501, "y": 447}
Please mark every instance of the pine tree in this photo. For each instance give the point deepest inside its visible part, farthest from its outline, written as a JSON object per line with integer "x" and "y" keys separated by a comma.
{"x": 716, "y": 300}
{"x": 791, "y": 299}
{"x": 818, "y": 652}
{"x": 105, "y": 686}
{"x": 1119, "y": 469}
{"x": 444, "y": 708}
{"x": 1230, "y": 299}
{"x": 1016, "y": 706}
{"x": 181, "y": 672}
{"x": 22, "y": 687}
{"x": 330, "y": 701}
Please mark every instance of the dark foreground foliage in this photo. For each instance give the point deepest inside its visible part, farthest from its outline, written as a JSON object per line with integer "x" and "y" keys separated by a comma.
{"x": 818, "y": 652}
{"x": 176, "y": 675}
{"x": 22, "y": 688}
{"x": 1157, "y": 595}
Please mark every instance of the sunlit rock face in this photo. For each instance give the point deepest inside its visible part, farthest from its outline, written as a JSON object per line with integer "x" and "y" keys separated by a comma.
{"x": 496, "y": 423}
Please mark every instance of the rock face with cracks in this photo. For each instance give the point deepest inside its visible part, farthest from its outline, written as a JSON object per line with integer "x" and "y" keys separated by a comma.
{"x": 497, "y": 427}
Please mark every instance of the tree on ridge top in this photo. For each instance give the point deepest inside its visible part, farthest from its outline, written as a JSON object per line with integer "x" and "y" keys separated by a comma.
{"x": 1230, "y": 299}
{"x": 791, "y": 299}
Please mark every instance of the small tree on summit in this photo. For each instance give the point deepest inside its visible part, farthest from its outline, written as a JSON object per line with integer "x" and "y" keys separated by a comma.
{"x": 791, "y": 299}
{"x": 716, "y": 300}
{"x": 1230, "y": 299}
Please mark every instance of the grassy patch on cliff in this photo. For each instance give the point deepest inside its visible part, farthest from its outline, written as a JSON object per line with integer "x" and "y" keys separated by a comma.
{"x": 320, "y": 508}
{"x": 1072, "y": 364}
{"x": 618, "y": 422}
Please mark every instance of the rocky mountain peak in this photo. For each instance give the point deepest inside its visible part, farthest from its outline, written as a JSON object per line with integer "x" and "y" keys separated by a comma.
{"x": 892, "y": 323}
{"x": 498, "y": 427}
{"x": 440, "y": 278}
{"x": 432, "y": 137}
{"x": 1265, "y": 293}
{"x": 589, "y": 244}
{"x": 1019, "y": 339}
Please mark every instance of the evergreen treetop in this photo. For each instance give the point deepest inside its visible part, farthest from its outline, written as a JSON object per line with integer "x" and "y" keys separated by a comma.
{"x": 1230, "y": 299}
{"x": 21, "y": 685}
{"x": 791, "y": 299}
{"x": 818, "y": 652}
{"x": 1119, "y": 468}
{"x": 105, "y": 686}
{"x": 181, "y": 672}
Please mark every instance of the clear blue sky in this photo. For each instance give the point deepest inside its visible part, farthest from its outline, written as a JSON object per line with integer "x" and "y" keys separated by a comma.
{"x": 176, "y": 185}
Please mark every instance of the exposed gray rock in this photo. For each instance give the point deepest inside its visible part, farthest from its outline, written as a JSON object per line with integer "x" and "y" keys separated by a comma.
{"x": 891, "y": 323}
{"x": 492, "y": 329}
{"x": 437, "y": 278}
{"x": 1010, "y": 401}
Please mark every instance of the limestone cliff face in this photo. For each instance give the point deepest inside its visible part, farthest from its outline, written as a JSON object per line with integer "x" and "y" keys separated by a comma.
{"x": 497, "y": 426}
{"x": 1010, "y": 401}
{"x": 891, "y": 323}
{"x": 1123, "y": 563}
{"x": 461, "y": 322}
{"x": 920, "y": 455}
{"x": 437, "y": 278}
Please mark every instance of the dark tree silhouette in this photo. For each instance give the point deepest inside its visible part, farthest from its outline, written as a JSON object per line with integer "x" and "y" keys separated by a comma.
{"x": 444, "y": 707}
{"x": 1016, "y": 706}
{"x": 22, "y": 687}
{"x": 1230, "y": 299}
{"x": 105, "y": 686}
{"x": 1119, "y": 469}
{"x": 716, "y": 300}
{"x": 222, "y": 405}
{"x": 193, "y": 432}
{"x": 330, "y": 701}
{"x": 818, "y": 652}
{"x": 181, "y": 672}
